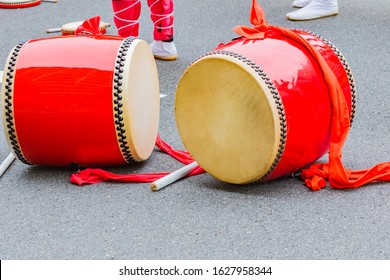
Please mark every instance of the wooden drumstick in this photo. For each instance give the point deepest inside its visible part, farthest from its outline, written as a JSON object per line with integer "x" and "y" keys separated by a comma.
{"x": 173, "y": 177}
{"x": 53, "y": 30}
{"x": 50, "y": 1}
{"x": 6, "y": 163}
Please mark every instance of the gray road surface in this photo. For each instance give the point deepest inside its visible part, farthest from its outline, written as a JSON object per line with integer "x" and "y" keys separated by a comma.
{"x": 44, "y": 216}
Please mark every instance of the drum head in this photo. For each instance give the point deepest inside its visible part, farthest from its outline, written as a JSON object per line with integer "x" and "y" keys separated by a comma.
{"x": 227, "y": 118}
{"x": 141, "y": 100}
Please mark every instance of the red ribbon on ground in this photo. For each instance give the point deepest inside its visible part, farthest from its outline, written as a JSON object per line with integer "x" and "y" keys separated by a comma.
{"x": 96, "y": 175}
{"x": 315, "y": 177}
{"x": 90, "y": 26}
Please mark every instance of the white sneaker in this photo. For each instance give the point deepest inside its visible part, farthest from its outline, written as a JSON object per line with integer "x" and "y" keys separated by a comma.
{"x": 301, "y": 3}
{"x": 164, "y": 50}
{"x": 315, "y": 9}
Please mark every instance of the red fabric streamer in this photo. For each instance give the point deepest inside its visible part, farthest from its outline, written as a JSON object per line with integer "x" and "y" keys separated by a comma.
{"x": 96, "y": 175}
{"x": 90, "y": 26}
{"x": 260, "y": 25}
{"x": 315, "y": 177}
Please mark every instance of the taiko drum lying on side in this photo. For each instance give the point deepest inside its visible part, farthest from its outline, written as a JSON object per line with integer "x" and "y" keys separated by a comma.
{"x": 81, "y": 100}
{"x": 259, "y": 109}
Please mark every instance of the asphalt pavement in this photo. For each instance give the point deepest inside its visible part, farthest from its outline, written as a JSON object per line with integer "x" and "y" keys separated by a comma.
{"x": 44, "y": 216}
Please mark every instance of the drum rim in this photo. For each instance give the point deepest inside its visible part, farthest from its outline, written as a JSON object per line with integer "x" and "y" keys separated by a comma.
{"x": 125, "y": 126}
{"x": 271, "y": 93}
{"x": 7, "y": 101}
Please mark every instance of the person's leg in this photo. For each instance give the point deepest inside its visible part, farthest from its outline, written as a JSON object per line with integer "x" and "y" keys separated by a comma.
{"x": 161, "y": 13}
{"x": 315, "y": 9}
{"x": 126, "y": 16}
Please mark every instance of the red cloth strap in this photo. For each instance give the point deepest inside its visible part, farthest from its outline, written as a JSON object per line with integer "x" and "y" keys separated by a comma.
{"x": 334, "y": 171}
{"x": 260, "y": 25}
{"x": 96, "y": 175}
{"x": 90, "y": 26}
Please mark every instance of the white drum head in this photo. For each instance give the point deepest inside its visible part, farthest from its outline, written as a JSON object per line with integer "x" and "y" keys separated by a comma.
{"x": 141, "y": 100}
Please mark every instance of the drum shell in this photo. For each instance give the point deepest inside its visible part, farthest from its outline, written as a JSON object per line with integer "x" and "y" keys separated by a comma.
{"x": 63, "y": 105}
{"x": 299, "y": 82}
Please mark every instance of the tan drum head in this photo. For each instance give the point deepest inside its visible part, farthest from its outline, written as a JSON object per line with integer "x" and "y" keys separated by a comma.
{"x": 228, "y": 119}
{"x": 139, "y": 99}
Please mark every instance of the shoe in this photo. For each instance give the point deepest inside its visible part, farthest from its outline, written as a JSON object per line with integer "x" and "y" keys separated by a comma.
{"x": 164, "y": 50}
{"x": 301, "y": 3}
{"x": 314, "y": 10}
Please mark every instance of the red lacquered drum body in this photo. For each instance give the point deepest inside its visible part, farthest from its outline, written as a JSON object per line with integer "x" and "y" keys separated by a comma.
{"x": 259, "y": 109}
{"x": 16, "y": 4}
{"x": 81, "y": 100}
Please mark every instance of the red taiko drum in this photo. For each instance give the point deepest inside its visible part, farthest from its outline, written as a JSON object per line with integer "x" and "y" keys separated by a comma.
{"x": 255, "y": 110}
{"x": 81, "y": 100}
{"x": 15, "y": 4}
